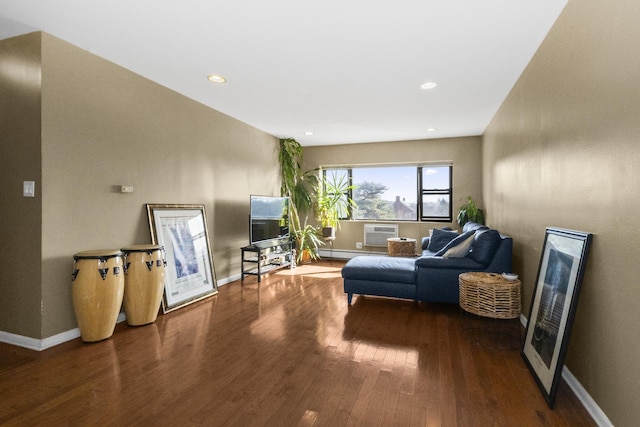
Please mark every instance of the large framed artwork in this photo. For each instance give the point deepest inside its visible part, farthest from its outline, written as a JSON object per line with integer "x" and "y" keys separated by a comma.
{"x": 182, "y": 230}
{"x": 553, "y": 306}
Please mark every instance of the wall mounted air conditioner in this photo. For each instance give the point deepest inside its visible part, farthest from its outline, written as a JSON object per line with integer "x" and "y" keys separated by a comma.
{"x": 377, "y": 234}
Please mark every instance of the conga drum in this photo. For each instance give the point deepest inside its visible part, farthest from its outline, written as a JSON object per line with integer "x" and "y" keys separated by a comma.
{"x": 97, "y": 291}
{"x": 143, "y": 282}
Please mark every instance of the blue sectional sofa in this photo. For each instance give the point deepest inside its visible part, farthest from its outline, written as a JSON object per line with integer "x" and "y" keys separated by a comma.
{"x": 433, "y": 276}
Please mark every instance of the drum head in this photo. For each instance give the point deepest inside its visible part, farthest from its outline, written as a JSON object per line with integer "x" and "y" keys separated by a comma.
{"x": 98, "y": 254}
{"x": 142, "y": 248}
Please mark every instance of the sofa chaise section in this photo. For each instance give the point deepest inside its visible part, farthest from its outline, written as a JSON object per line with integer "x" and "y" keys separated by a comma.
{"x": 380, "y": 276}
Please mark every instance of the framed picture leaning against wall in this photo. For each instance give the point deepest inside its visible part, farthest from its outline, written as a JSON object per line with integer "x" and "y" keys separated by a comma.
{"x": 182, "y": 230}
{"x": 553, "y": 306}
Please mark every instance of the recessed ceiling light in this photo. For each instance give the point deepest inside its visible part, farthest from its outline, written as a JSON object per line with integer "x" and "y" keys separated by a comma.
{"x": 428, "y": 85}
{"x": 308, "y": 133}
{"x": 215, "y": 78}
{"x": 432, "y": 129}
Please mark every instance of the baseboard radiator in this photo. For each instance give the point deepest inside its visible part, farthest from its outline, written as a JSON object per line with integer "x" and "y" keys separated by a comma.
{"x": 377, "y": 234}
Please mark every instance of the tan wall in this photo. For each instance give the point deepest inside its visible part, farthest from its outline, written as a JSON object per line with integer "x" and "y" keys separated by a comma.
{"x": 103, "y": 126}
{"x": 465, "y": 153}
{"x": 20, "y": 261}
{"x": 563, "y": 151}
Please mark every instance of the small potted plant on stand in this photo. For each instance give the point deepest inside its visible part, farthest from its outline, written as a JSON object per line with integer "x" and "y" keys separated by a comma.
{"x": 332, "y": 201}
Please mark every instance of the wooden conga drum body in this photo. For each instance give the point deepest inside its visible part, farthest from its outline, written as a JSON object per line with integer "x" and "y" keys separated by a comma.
{"x": 97, "y": 291}
{"x": 143, "y": 283}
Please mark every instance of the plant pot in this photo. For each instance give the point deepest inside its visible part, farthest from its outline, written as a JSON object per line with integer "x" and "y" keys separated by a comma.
{"x": 305, "y": 256}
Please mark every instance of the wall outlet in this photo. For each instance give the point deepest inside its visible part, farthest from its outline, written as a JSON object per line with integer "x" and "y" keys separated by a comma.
{"x": 126, "y": 189}
{"x": 358, "y": 245}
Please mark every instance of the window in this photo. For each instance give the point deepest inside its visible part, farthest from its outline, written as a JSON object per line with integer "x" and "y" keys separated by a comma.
{"x": 435, "y": 192}
{"x": 399, "y": 193}
{"x": 385, "y": 193}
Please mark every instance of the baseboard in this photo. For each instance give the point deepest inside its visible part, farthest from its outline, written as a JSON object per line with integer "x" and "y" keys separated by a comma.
{"x": 45, "y": 343}
{"x": 589, "y": 404}
{"x": 228, "y": 280}
{"x": 36, "y": 344}
{"x": 345, "y": 254}
{"x": 587, "y": 401}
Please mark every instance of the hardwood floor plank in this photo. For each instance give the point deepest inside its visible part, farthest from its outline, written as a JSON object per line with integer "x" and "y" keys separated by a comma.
{"x": 286, "y": 351}
{"x": 389, "y": 408}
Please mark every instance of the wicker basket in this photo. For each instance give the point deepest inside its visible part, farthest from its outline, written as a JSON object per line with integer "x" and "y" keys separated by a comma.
{"x": 490, "y": 295}
{"x": 399, "y": 246}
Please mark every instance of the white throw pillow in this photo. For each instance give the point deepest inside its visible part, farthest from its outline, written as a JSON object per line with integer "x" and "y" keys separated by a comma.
{"x": 461, "y": 250}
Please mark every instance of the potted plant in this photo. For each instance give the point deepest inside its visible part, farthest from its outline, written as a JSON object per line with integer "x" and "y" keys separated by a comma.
{"x": 332, "y": 202}
{"x": 299, "y": 187}
{"x": 308, "y": 241}
{"x": 470, "y": 212}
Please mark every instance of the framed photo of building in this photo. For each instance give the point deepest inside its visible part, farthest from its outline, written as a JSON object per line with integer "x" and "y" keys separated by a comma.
{"x": 182, "y": 230}
{"x": 553, "y": 306}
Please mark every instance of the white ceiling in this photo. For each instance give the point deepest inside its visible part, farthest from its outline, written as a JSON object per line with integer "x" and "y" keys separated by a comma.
{"x": 347, "y": 70}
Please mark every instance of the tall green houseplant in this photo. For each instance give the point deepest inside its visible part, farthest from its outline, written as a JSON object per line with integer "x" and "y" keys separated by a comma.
{"x": 470, "y": 212}
{"x": 299, "y": 187}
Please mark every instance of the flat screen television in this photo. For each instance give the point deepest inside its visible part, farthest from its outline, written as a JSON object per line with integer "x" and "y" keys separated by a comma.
{"x": 268, "y": 218}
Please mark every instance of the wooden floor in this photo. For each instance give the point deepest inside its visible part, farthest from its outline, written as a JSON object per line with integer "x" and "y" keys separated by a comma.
{"x": 287, "y": 352}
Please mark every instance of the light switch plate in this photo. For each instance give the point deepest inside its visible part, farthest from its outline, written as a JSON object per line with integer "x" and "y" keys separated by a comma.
{"x": 29, "y": 188}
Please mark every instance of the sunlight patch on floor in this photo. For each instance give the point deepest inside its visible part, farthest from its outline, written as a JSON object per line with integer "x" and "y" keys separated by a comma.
{"x": 322, "y": 271}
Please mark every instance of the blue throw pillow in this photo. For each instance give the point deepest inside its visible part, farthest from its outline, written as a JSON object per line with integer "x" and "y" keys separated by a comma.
{"x": 484, "y": 246}
{"x": 440, "y": 238}
{"x": 455, "y": 242}
{"x": 474, "y": 226}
